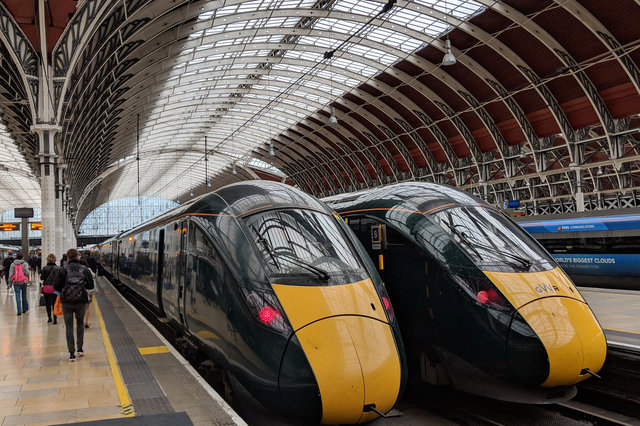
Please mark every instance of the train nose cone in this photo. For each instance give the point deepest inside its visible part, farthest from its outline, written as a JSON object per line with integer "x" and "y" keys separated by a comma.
{"x": 571, "y": 336}
{"x": 355, "y": 363}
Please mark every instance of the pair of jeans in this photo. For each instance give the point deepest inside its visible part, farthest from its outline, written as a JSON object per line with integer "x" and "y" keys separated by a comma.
{"x": 21, "y": 297}
{"x": 49, "y": 301}
{"x": 68, "y": 310}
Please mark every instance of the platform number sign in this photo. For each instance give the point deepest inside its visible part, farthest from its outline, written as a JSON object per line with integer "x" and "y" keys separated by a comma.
{"x": 377, "y": 236}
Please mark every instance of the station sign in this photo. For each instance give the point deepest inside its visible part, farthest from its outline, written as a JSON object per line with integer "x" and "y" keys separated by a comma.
{"x": 20, "y": 212}
{"x": 36, "y": 226}
{"x": 9, "y": 226}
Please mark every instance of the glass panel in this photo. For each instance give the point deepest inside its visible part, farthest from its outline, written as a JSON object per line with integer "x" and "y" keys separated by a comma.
{"x": 489, "y": 238}
{"x": 301, "y": 242}
{"x": 123, "y": 214}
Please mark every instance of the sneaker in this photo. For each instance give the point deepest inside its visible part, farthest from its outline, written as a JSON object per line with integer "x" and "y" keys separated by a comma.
{"x": 80, "y": 353}
{"x": 55, "y": 320}
{"x": 49, "y": 320}
{"x": 72, "y": 357}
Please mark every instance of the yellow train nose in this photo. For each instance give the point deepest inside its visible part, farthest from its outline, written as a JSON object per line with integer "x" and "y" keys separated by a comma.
{"x": 571, "y": 336}
{"x": 349, "y": 345}
{"x": 355, "y": 363}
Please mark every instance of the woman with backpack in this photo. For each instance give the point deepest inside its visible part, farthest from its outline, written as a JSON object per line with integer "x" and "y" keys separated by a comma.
{"x": 19, "y": 276}
{"x": 73, "y": 282}
{"x": 48, "y": 276}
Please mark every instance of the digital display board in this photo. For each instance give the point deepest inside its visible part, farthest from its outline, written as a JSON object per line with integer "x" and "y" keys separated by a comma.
{"x": 22, "y": 212}
{"x": 9, "y": 226}
{"x": 36, "y": 226}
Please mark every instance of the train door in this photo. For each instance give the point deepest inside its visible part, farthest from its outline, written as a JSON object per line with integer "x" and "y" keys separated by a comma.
{"x": 182, "y": 275}
{"x": 160, "y": 273}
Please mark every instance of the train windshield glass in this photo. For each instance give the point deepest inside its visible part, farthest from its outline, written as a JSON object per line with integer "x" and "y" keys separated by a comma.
{"x": 306, "y": 242}
{"x": 491, "y": 240}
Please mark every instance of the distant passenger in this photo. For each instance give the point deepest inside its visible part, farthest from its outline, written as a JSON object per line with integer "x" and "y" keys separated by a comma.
{"x": 73, "y": 282}
{"x": 92, "y": 263}
{"x": 39, "y": 263}
{"x": 33, "y": 266}
{"x": 49, "y": 277}
{"x": 19, "y": 273}
{"x": 6, "y": 264}
{"x": 64, "y": 260}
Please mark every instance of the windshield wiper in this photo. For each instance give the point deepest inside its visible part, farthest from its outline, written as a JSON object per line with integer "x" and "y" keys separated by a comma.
{"x": 526, "y": 263}
{"x": 464, "y": 238}
{"x": 267, "y": 247}
{"x": 319, "y": 272}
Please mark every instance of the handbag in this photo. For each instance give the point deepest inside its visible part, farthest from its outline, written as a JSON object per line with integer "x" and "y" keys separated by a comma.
{"x": 41, "y": 302}
{"x": 57, "y": 307}
{"x": 48, "y": 288}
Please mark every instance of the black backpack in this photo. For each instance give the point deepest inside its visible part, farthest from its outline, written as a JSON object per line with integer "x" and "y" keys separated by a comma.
{"x": 73, "y": 290}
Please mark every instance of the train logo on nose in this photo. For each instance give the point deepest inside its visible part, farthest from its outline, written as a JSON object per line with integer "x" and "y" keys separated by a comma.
{"x": 546, "y": 288}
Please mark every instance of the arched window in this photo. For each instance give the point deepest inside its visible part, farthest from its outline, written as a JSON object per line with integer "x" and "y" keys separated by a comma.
{"x": 122, "y": 214}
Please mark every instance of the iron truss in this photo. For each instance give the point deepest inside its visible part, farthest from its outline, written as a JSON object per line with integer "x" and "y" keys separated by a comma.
{"x": 175, "y": 98}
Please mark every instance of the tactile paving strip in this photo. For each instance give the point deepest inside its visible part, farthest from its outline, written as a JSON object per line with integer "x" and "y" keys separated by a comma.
{"x": 145, "y": 393}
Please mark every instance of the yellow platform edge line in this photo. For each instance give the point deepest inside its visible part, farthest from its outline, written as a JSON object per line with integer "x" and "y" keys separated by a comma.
{"x": 622, "y": 331}
{"x": 123, "y": 394}
{"x": 610, "y": 293}
{"x": 150, "y": 350}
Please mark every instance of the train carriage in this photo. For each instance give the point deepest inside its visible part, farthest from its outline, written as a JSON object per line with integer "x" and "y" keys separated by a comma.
{"x": 481, "y": 304}
{"x": 277, "y": 291}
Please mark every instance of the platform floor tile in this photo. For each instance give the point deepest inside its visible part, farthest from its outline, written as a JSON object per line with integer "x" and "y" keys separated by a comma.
{"x": 38, "y": 384}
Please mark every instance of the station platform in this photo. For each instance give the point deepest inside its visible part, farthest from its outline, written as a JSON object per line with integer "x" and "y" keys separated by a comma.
{"x": 618, "y": 312}
{"x": 129, "y": 374}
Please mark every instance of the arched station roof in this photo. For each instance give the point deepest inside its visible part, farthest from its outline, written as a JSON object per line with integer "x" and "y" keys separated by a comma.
{"x": 170, "y": 98}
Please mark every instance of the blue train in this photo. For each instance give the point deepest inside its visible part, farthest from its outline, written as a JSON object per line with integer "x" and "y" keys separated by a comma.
{"x": 600, "y": 251}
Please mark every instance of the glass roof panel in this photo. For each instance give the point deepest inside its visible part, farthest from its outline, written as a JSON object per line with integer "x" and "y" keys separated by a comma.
{"x": 230, "y": 85}
{"x": 17, "y": 187}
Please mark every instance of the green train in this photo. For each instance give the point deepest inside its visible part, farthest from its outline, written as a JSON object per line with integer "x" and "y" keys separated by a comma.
{"x": 482, "y": 306}
{"x": 276, "y": 290}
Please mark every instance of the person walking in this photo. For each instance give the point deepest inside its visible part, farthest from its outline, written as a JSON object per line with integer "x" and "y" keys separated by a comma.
{"x": 92, "y": 263}
{"x": 63, "y": 261}
{"x": 33, "y": 262}
{"x": 49, "y": 275}
{"x": 6, "y": 265}
{"x": 73, "y": 282}
{"x": 19, "y": 273}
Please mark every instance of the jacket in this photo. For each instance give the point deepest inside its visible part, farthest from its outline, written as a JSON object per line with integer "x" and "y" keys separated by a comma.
{"x": 49, "y": 269}
{"x": 61, "y": 281}
{"x": 25, "y": 269}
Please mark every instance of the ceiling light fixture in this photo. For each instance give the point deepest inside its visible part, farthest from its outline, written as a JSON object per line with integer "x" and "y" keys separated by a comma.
{"x": 448, "y": 58}
{"x": 332, "y": 118}
{"x": 234, "y": 169}
{"x": 271, "y": 151}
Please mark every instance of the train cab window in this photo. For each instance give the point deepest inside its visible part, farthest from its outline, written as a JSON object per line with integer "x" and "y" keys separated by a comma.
{"x": 491, "y": 240}
{"x": 294, "y": 242}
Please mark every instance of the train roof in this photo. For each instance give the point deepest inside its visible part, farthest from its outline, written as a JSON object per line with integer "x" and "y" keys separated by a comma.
{"x": 416, "y": 196}
{"x": 238, "y": 199}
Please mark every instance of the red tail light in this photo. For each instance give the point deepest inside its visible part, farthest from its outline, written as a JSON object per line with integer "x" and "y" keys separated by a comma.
{"x": 387, "y": 307}
{"x": 269, "y": 314}
{"x": 265, "y": 307}
{"x": 491, "y": 297}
